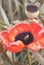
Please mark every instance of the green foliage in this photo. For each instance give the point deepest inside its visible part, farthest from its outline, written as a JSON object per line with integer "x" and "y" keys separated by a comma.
{"x": 3, "y": 26}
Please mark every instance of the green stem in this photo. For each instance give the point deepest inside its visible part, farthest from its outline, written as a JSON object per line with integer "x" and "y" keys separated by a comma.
{"x": 3, "y": 26}
{"x": 28, "y": 56}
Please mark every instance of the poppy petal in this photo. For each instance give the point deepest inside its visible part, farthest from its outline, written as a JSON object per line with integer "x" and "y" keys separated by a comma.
{"x": 16, "y": 47}
{"x": 19, "y": 28}
{"x": 34, "y": 46}
{"x": 38, "y": 43}
{"x": 41, "y": 34}
{"x": 5, "y": 37}
{"x": 36, "y": 29}
{"x": 41, "y": 39}
{"x": 42, "y": 43}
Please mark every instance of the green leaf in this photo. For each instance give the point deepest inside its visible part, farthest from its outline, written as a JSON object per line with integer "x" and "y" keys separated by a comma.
{"x": 2, "y": 23}
{"x": 3, "y": 26}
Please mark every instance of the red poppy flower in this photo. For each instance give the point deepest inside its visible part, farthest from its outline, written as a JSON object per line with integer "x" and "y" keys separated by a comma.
{"x": 23, "y": 35}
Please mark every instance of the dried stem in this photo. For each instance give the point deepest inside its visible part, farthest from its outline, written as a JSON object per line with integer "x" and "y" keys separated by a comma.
{"x": 28, "y": 56}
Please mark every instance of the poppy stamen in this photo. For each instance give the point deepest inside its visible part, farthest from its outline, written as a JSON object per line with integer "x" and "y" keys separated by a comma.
{"x": 25, "y": 37}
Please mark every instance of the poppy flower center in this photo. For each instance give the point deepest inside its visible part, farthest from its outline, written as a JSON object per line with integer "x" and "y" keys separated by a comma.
{"x": 25, "y": 37}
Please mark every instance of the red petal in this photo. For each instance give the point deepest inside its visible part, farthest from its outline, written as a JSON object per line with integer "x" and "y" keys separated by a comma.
{"x": 5, "y": 37}
{"x": 16, "y": 48}
{"x": 41, "y": 39}
{"x": 39, "y": 43}
{"x": 36, "y": 29}
{"x": 7, "y": 43}
{"x": 19, "y": 28}
{"x": 34, "y": 46}
{"x": 41, "y": 34}
{"x": 4, "y": 34}
{"x": 42, "y": 43}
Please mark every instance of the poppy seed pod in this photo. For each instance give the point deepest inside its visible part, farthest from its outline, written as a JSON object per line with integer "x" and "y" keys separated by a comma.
{"x": 32, "y": 11}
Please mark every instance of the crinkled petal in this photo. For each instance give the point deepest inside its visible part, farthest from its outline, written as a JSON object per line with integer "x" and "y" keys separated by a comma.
{"x": 41, "y": 34}
{"x": 36, "y": 29}
{"x": 38, "y": 43}
{"x": 5, "y": 37}
{"x": 11, "y": 46}
{"x": 34, "y": 46}
{"x": 16, "y": 47}
{"x": 41, "y": 39}
{"x": 19, "y": 28}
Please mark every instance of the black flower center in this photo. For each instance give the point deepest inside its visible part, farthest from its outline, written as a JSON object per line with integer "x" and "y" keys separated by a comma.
{"x": 32, "y": 8}
{"x": 25, "y": 37}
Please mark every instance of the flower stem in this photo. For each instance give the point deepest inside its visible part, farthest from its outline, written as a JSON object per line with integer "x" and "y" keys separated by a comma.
{"x": 28, "y": 56}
